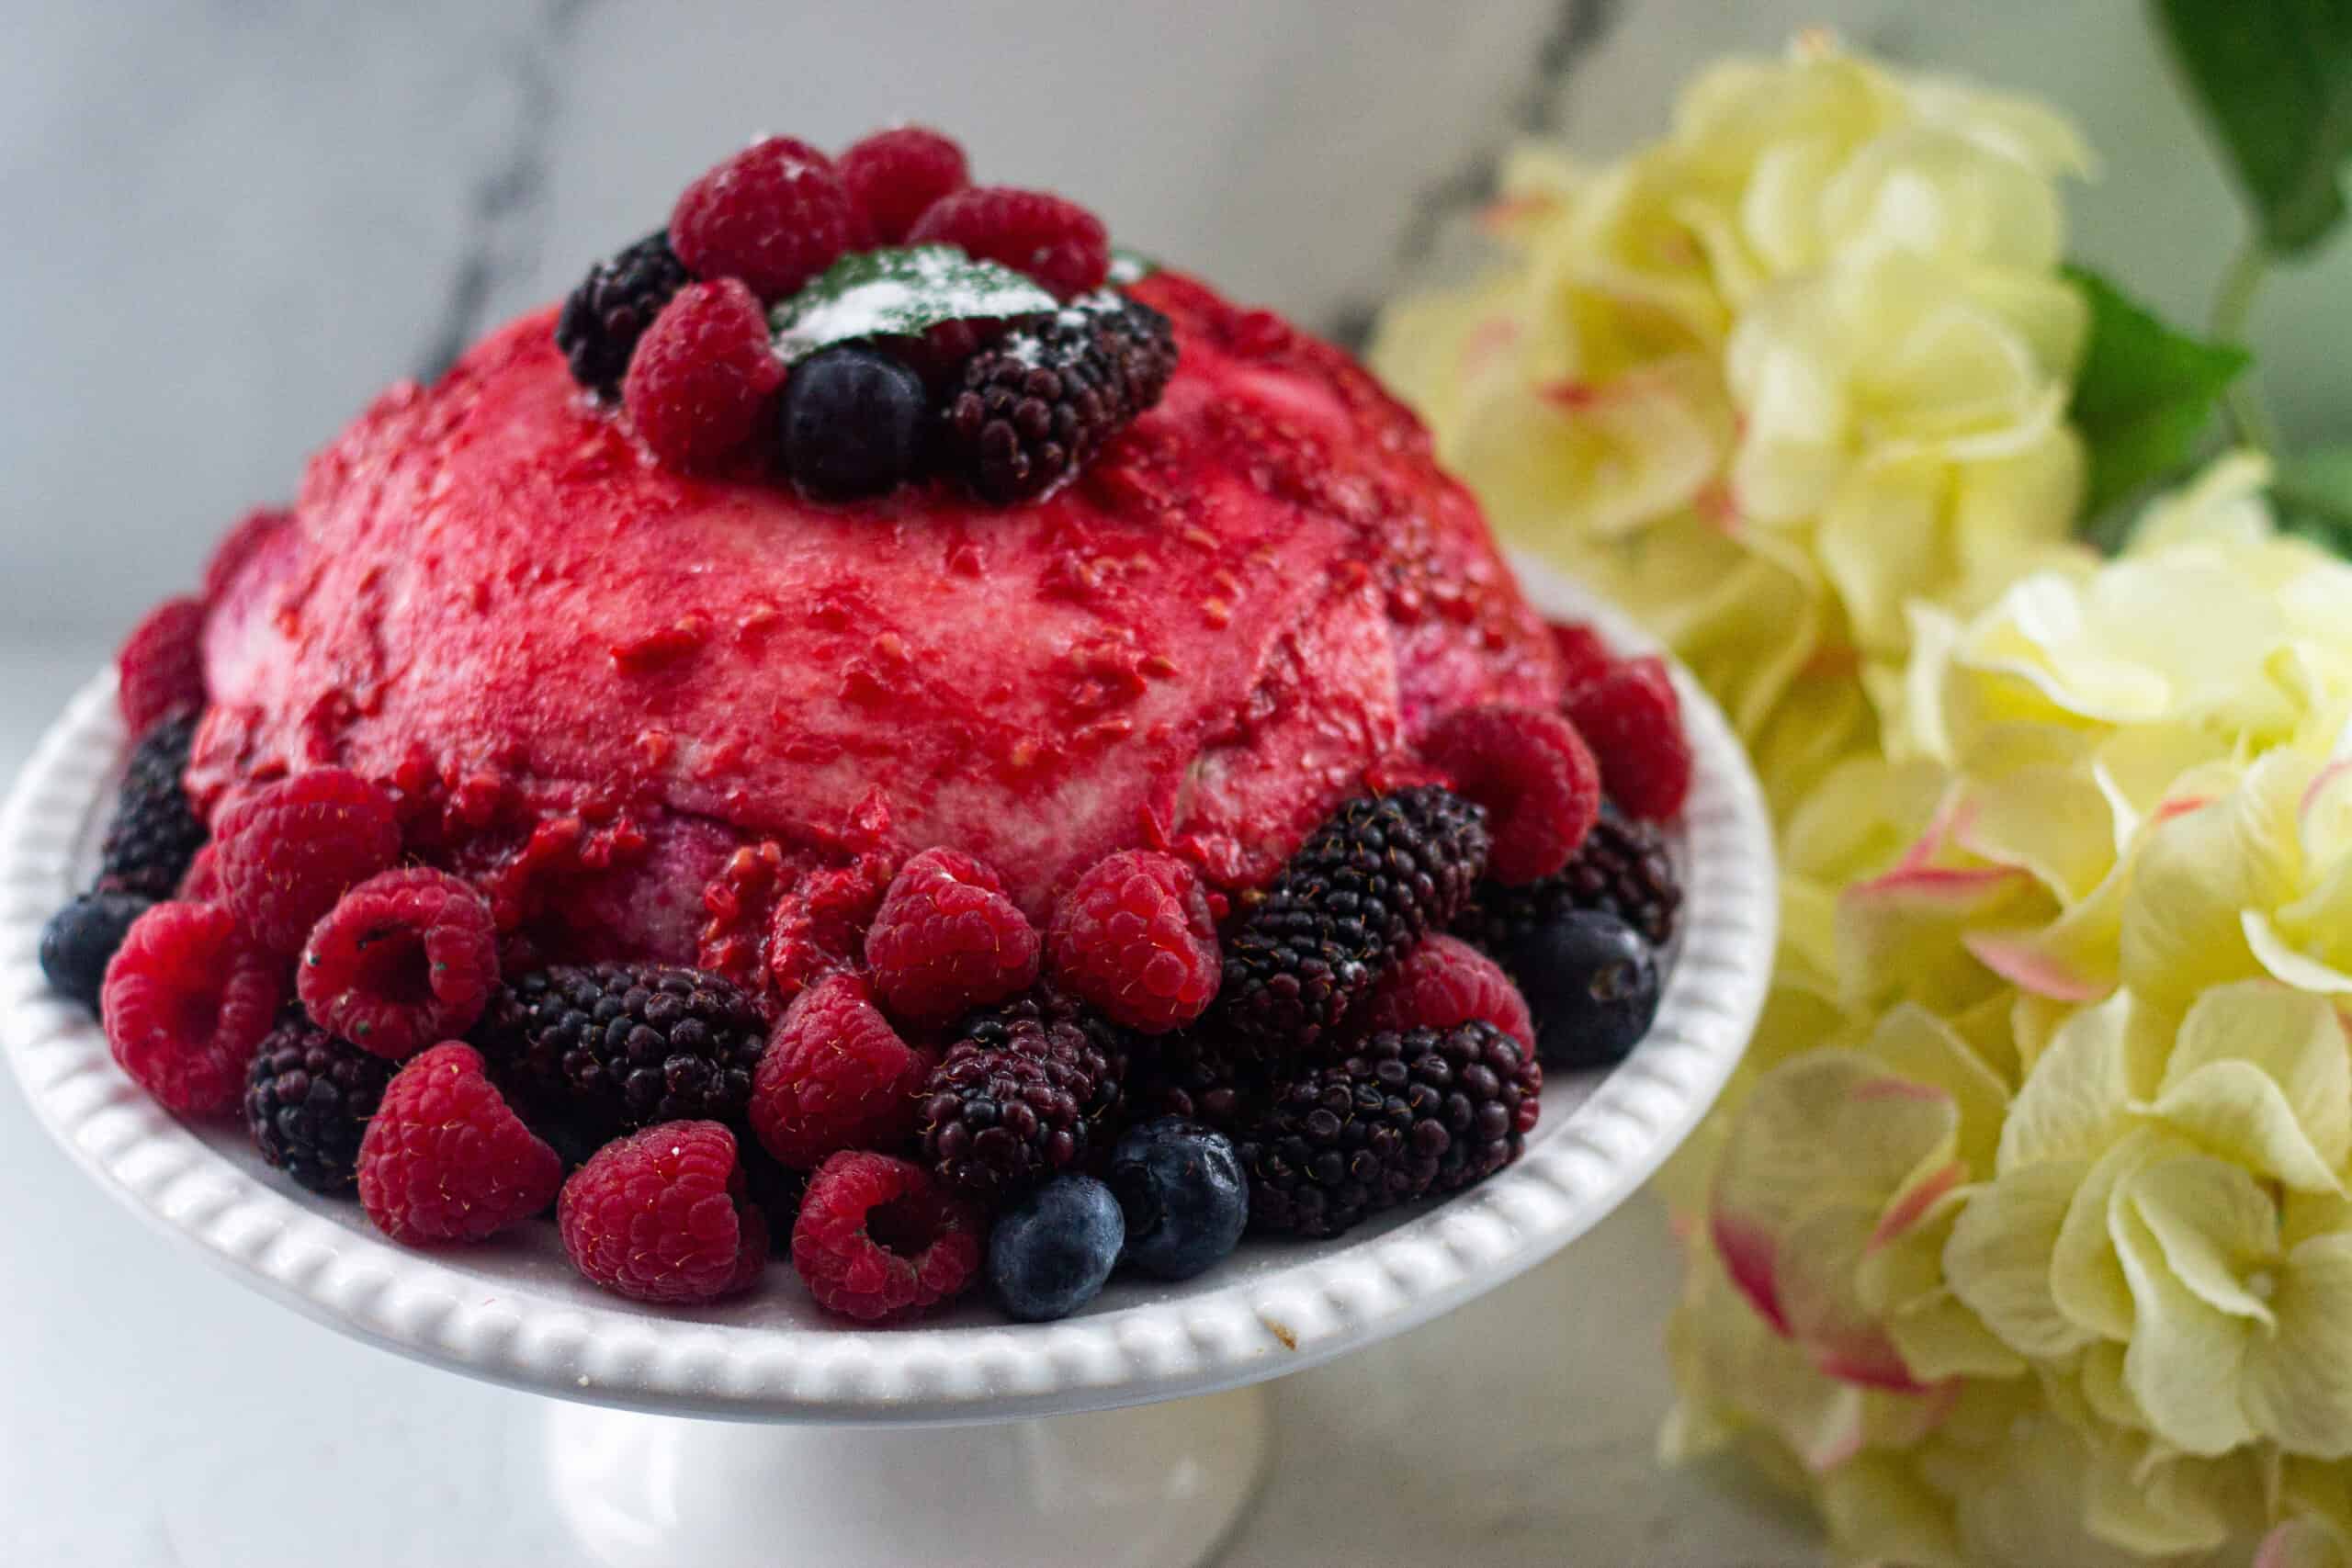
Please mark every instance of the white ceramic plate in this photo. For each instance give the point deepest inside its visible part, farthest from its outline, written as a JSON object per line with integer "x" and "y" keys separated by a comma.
{"x": 513, "y": 1311}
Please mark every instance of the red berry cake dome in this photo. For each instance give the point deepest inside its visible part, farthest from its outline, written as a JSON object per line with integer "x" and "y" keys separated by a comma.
{"x": 889, "y": 728}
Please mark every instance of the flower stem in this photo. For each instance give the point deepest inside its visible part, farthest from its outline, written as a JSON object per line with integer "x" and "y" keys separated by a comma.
{"x": 2250, "y": 421}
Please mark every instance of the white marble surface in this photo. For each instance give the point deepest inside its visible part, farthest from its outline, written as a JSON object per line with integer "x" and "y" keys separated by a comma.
{"x": 157, "y": 1413}
{"x": 232, "y": 222}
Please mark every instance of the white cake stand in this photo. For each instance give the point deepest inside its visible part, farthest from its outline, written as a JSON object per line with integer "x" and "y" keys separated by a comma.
{"x": 761, "y": 1433}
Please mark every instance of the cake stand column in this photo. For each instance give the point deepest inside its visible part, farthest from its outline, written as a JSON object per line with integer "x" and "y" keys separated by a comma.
{"x": 1150, "y": 1486}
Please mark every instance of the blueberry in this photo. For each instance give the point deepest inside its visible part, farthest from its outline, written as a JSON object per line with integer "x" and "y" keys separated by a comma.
{"x": 1592, "y": 984}
{"x": 1184, "y": 1194}
{"x": 853, "y": 423}
{"x": 79, "y": 939}
{"x": 1051, "y": 1252}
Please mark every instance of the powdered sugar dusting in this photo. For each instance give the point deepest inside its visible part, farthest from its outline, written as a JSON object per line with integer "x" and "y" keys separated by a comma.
{"x": 900, "y": 292}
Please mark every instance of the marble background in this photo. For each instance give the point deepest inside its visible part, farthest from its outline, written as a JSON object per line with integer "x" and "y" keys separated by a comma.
{"x": 232, "y": 221}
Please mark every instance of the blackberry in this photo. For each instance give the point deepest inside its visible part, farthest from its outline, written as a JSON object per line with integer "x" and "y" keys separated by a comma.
{"x": 1113, "y": 1048}
{"x": 1622, "y": 868}
{"x": 610, "y": 310}
{"x": 155, "y": 833}
{"x": 80, "y": 940}
{"x": 1022, "y": 1095}
{"x": 1190, "y": 1075}
{"x": 634, "y": 1043}
{"x": 1380, "y": 874}
{"x": 1033, "y": 409}
{"x": 308, "y": 1099}
{"x": 1403, "y": 1116}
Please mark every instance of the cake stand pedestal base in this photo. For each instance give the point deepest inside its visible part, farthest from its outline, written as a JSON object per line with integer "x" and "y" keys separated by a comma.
{"x": 1151, "y": 1486}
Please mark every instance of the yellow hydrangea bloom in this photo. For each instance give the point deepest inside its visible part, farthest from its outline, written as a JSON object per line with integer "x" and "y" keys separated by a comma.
{"x": 1772, "y": 378}
{"x": 2052, "y": 1111}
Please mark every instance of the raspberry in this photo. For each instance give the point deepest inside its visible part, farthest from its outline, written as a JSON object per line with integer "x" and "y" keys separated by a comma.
{"x": 879, "y": 1241}
{"x": 288, "y": 852}
{"x": 630, "y": 1044}
{"x": 836, "y": 1076}
{"x": 1445, "y": 982}
{"x": 1583, "y": 655}
{"x": 1134, "y": 938}
{"x": 187, "y": 999}
{"x": 160, "y": 668}
{"x": 663, "y": 1216}
{"x": 816, "y": 926}
{"x": 894, "y": 176}
{"x": 774, "y": 216}
{"x": 155, "y": 835}
{"x": 606, "y": 315}
{"x": 1632, "y": 720}
{"x": 1380, "y": 874}
{"x": 1020, "y": 1096}
{"x": 1403, "y": 1116}
{"x": 1622, "y": 868}
{"x": 445, "y": 1159}
{"x": 308, "y": 1100}
{"x": 407, "y": 958}
{"x": 1035, "y": 409}
{"x": 1055, "y": 241}
{"x": 200, "y": 884}
{"x": 946, "y": 940}
{"x": 1531, "y": 772}
{"x": 255, "y": 532}
{"x": 703, "y": 375}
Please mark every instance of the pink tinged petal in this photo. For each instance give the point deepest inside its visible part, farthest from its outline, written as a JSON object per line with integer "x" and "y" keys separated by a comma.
{"x": 1498, "y": 215}
{"x": 1870, "y": 1365}
{"x": 1913, "y": 1206}
{"x": 1747, "y": 1258}
{"x": 2016, "y": 960}
{"x": 1569, "y": 397}
{"x": 2167, "y": 809}
{"x": 1493, "y": 338}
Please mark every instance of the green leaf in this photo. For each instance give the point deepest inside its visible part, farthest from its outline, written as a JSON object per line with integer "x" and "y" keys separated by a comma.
{"x": 899, "y": 292}
{"x": 2145, "y": 393}
{"x": 1130, "y": 267}
{"x": 2275, "y": 78}
{"x": 2313, "y": 497}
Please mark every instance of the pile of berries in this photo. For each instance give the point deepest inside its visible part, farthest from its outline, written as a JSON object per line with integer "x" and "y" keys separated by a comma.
{"x": 682, "y": 328}
{"x": 948, "y": 1095}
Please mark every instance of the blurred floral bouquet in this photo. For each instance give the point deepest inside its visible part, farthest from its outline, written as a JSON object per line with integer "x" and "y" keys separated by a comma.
{"x": 2025, "y": 1235}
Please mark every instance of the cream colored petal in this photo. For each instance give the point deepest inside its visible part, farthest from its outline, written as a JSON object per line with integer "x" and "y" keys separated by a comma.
{"x": 2187, "y": 1358}
{"x": 2263, "y": 1075}
{"x": 2217, "y": 1228}
{"x": 2299, "y": 1383}
{"x": 2077, "y": 1098}
{"x": 2087, "y": 1279}
{"x": 1998, "y": 1260}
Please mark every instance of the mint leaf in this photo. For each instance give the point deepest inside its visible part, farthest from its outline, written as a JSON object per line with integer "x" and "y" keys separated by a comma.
{"x": 899, "y": 292}
{"x": 2275, "y": 78}
{"x": 2314, "y": 498}
{"x": 2145, "y": 393}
